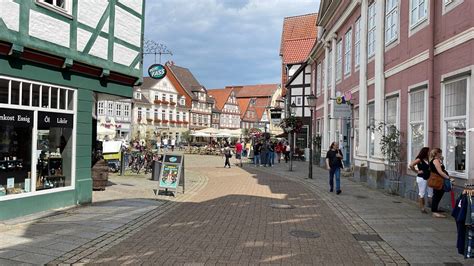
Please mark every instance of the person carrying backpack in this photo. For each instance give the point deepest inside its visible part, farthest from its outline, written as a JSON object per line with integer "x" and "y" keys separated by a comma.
{"x": 228, "y": 155}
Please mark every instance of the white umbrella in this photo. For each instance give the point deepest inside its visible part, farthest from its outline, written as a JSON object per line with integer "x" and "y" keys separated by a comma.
{"x": 200, "y": 134}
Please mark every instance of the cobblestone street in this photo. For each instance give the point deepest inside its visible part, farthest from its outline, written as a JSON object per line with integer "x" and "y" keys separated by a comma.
{"x": 243, "y": 215}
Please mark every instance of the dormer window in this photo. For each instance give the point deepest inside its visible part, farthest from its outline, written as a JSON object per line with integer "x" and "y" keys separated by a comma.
{"x": 138, "y": 95}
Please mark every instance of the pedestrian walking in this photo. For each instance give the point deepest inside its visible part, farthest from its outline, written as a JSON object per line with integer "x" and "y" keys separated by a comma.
{"x": 272, "y": 153}
{"x": 238, "y": 151}
{"x": 334, "y": 165}
{"x": 256, "y": 154}
{"x": 165, "y": 144}
{"x": 422, "y": 170}
{"x": 227, "y": 155}
{"x": 173, "y": 143}
{"x": 279, "y": 149}
{"x": 437, "y": 167}
{"x": 287, "y": 152}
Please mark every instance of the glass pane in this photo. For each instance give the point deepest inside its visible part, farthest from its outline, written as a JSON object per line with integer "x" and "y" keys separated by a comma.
{"x": 25, "y": 94}
{"x": 456, "y": 146}
{"x": 62, "y": 99}
{"x": 36, "y": 95}
{"x": 54, "y": 149}
{"x": 15, "y": 96}
{"x": 15, "y": 153}
{"x": 417, "y": 139}
{"x": 45, "y": 96}
{"x": 70, "y": 100}
{"x": 4, "y": 84}
{"x": 455, "y": 98}
{"x": 54, "y": 97}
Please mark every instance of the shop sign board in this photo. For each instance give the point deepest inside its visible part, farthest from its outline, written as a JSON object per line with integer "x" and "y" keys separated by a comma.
{"x": 157, "y": 71}
{"x": 17, "y": 118}
{"x": 172, "y": 172}
{"x": 48, "y": 120}
{"x": 342, "y": 111}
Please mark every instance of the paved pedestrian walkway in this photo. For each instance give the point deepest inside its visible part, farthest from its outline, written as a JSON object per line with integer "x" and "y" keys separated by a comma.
{"x": 232, "y": 220}
{"x": 243, "y": 215}
{"x": 397, "y": 225}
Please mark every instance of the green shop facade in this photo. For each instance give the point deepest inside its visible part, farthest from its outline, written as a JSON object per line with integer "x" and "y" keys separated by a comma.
{"x": 48, "y": 91}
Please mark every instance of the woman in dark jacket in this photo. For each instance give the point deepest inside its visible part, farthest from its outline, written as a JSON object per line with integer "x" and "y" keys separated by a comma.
{"x": 422, "y": 170}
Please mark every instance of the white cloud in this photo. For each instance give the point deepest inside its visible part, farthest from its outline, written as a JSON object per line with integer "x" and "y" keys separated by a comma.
{"x": 223, "y": 42}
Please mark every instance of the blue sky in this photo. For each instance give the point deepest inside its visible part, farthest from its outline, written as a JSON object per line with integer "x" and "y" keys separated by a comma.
{"x": 223, "y": 42}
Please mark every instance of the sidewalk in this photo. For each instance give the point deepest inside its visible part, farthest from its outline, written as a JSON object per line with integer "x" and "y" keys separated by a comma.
{"x": 417, "y": 237}
{"x": 66, "y": 236}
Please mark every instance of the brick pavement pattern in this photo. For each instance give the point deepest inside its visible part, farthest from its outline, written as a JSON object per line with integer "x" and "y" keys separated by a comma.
{"x": 231, "y": 221}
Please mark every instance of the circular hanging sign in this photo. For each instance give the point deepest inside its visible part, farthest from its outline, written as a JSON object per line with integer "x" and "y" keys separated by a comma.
{"x": 157, "y": 71}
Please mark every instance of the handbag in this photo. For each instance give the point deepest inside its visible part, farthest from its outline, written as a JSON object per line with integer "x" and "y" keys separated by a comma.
{"x": 447, "y": 186}
{"x": 435, "y": 181}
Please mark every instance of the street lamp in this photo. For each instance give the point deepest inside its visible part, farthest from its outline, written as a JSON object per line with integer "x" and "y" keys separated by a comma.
{"x": 290, "y": 139}
{"x": 311, "y": 103}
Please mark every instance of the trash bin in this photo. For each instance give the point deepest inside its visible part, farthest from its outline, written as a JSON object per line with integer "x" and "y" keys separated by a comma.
{"x": 156, "y": 169}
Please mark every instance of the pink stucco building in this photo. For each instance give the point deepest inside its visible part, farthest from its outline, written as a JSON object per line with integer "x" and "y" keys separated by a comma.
{"x": 407, "y": 63}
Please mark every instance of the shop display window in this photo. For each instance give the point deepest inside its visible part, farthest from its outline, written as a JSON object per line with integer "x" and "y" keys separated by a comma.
{"x": 54, "y": 150}
{"x": 16, "y": 127}
{"x": 36, "y": 137}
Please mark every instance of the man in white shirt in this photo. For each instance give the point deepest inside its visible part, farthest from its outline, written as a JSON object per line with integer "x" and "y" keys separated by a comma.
{"x": 173, "y": 142}
{"x": 165, "y": 144}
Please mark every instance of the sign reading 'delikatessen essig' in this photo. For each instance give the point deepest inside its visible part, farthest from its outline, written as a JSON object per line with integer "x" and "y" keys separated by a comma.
{"x": 18, "y": 118}
{"x": 48, "y": 120}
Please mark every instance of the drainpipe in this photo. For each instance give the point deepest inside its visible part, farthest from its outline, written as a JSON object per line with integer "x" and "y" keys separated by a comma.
{"x": 431, "y": 69}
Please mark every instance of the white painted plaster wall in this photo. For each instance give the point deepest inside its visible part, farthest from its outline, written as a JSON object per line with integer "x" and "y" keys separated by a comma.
{"x": 10, "y": 14}
{"x": 127, "y": 27}
{"x": 49, "y": 29}
{"x": 136, "y": 5}
{"x": 83, "y": 37}
{"x": 100, "y": 48}
{"x": 90, "y": 11}
{"x": 123, "y": 55}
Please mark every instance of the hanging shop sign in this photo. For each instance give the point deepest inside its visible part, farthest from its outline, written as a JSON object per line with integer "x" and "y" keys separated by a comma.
{"x": 48, "y": 120}
{"x": 17, "y": 118}
{"x": 157, "y": 71}
{"x": 342, "y": 111}
{"x": 172, "y": 173}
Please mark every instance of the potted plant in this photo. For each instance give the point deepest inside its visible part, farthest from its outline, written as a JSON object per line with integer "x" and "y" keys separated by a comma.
{"x": 390, "y": 146}
{"x": 165, "y": 102}
{"x": 157, "y": 101}
{"x": 172, "y": 103}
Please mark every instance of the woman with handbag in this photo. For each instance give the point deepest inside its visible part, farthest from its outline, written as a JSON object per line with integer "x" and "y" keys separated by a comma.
{"x": 437, "y": 170}
{"x": 422, "y": 170}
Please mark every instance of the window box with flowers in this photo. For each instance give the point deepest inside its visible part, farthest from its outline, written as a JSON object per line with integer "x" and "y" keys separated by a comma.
{"x": 139, "y": 120}
{"x": 157, "y": 101}
{"x": 172, "y": 103}
{"x": 157, "y": 121}
{"x": 165, "y": 102}
{"x": 149, "y": 120}
{"x": 164, "y": 121}
{"x": 185, "y": 122}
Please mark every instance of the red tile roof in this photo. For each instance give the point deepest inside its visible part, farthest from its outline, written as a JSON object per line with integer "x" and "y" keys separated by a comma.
{"x": 261, "y": 104}
{"x": 255, "y": 91}
{"x": 220, "y": 96}
{"x": 243, "y": 105}
{"x": 298, "y": 37}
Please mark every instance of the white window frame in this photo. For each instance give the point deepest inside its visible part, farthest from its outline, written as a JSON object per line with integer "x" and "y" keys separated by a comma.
{"x": 415, "y": 6}
{"x": 65, "y": 11}
{"x": 449, "y": 5}
{"x": 318, "y": 79}
{"x": 370, "y": 128}
{"x": 34, "y": 156}
{"x": 391, "y": 14}
{"x": 118, "y": 109}
{"x": 329, "y": 69}
{"x": 396, "y": 98}
{"x": 371, "y": 25}
{"x": 348, "y": 52}
{"x": 339, "y": 61}
{"x": 444, "y": 121}
{"x": 126, "y": 110}
{"x": 110, "y": 108}
{"x": 101, "y": 108}
{"x": 357, "y": 44}
{"x": 423, "y": 89}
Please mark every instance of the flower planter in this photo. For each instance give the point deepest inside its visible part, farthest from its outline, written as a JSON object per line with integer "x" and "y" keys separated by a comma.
{"x": 165, "y": 102}
{"x": 157, "y": 102}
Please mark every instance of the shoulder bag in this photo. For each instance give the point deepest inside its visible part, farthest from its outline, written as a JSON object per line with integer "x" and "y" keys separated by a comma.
{"x": 435, "y": 181}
